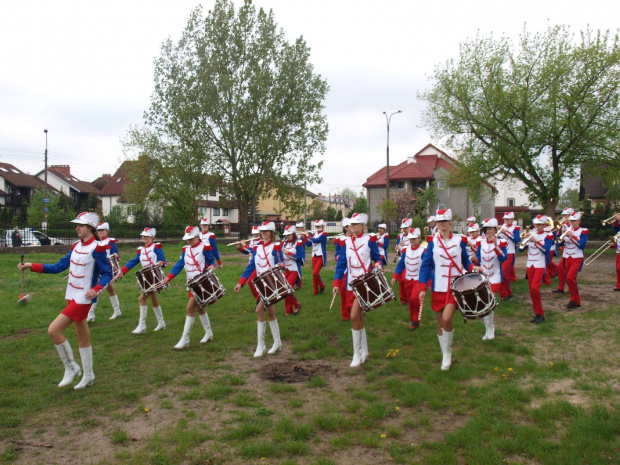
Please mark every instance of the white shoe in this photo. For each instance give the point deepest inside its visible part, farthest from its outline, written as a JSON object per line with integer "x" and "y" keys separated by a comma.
{"x": 161, "y": 324}
{"x": 275, "y": 332}
{"x": 184, "y": 342}
{"x": 489, "y": 323}
{"x": 206, "y": 324}
{"x": 447, "y": 354}
{"x": 364, "y": 350}
{"x": 72, "y": 369}
{"x": 86, "y": 353}
{"x": 91, "y": 313}
{"x": 260, "y": 346}
{"x": 116, "y": 306}
{"x": 357, "y": 348}
{"x": 141, "y": 328}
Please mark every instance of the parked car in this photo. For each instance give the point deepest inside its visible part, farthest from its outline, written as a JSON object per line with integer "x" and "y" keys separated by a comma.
{"x": 33, "y": 238}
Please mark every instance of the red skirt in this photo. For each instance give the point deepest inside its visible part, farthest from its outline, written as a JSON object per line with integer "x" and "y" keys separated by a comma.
{"x": 77, "y": 312}
{"x": 440, "y": 299}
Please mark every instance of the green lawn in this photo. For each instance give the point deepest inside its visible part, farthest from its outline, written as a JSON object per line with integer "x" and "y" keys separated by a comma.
{"x": 545, "y": 394}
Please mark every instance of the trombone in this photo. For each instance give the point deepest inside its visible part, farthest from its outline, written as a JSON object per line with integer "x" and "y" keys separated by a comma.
{"x": 610, "y": 219}
{"x": 601, "y": 250}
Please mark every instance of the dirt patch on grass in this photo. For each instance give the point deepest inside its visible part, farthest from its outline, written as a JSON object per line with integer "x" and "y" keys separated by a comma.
{"x": 21, "y": 334}
{"x": 564, "y": 389}
{"x": 294, "y": 371}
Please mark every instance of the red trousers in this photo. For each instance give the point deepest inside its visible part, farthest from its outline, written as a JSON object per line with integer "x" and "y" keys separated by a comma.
{"x": 402, "y": 291}
{"x": 291, "y": 302}
{"x": 317, "y": 283}
{"x": 561, "y": 274}
{"x": 534, "y": 279}
{"x": 413, "y": 292}
{"x": 345, "y": 304}
{"x": 571, "y": 269}
{"x": 552, "y": 271}
{"x": 252, "y": 288}
{"x": 508, "y": 270}
{"x": 618, "y": 271}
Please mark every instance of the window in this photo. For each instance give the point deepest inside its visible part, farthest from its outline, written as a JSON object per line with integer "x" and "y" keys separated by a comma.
{"x": 216, "y": 212}
{"x": 441, "y": 184}
{"x": 212, "y": 193}
{"x": 400, "y": 186}
{"x": 441, "y": 206}
{"x": 511, "y": 202}
{"x": 119, "y": 179}
{"x": 225, "y": 212}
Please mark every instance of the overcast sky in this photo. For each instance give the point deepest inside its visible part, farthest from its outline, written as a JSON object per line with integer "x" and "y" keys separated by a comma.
{"x": 84, "y": 70}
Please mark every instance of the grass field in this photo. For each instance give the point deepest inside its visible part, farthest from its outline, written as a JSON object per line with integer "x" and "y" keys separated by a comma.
{"x": 546, "y": 394}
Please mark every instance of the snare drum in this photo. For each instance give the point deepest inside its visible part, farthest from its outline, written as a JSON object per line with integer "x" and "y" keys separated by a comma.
{"x": 372, "y": 290}
{"x": 272, "y": 286}
{"x": 114, "y": 265}
{"x": 473, "y": 295}
{"x": 206, "y": 288}
{"x": 150, "y": 279}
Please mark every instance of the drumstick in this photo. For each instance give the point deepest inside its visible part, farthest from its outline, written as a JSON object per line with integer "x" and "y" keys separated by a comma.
{"x": 23, "y": 278}
{"x": 333, "y": 300}
{"x": 420, "y": 312}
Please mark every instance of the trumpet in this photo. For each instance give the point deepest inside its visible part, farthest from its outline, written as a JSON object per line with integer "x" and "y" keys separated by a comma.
{"x": 525, "y": 238}
{"x": 601, "y": 250}
{"x": 610, "y": 219}
{"x": 563, "y": 236}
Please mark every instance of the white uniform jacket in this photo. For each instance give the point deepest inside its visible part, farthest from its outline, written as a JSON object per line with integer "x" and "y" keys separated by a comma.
{"x": 512, "y": 236}
{"x": 356, "y": 258}
{"x": 411, "y": 262}
{"x": 573, "y": 246}
{"x": 538, "y": 248}
{"x": 442, "y": 263}
{"x": 491, "y": 256}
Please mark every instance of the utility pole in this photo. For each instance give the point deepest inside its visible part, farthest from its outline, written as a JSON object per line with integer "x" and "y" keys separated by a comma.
{"x": 45, "y": 198}
{"x": 387, "y": 151}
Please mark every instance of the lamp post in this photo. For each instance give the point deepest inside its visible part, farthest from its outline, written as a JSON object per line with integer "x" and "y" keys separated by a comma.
{"x": 44, "y": 225}
{"x": 387, "y": 151}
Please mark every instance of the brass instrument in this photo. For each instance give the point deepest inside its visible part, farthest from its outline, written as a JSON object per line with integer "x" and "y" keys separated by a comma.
{"x": 562, "y": 237}
{"x": 610, "y": 219}
{"x": 601, "y": 250}
{"x": 339, "y": 236}
{"x": 525, "y": 238}
{"x": 239, "y": 242}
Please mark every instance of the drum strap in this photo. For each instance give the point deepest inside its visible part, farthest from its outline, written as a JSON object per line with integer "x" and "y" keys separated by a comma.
{"x": 358, "y": 255}
{"x": 448, "y": 254}
{"x": 196, "y": 264}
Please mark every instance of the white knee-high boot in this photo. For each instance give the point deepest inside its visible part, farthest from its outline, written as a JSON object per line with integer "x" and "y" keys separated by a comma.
{"x": 364, "y": 351}
{"x": 260, "y": 346}
{"x": 161, "y": 324}
{"x": 275, "y": 332}
{"x": 206, "y": 324}
{"x": 447, "y": 346}
{"x": 141, "y": 328}
{"x": 357, "y": 348}
{"x": 86, "y": 353}
{"x": 72, "y": 369}
{"x": 116, "y": 306}
{"x": 184, "y": 342}
{"x": 91, "y": 313}
{"x": 489, "y": 324}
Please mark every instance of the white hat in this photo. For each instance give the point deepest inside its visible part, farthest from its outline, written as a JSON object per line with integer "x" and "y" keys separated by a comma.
{"x": 509, "y": 216}
{"x": 576, "y": 216}
{"x": 359, "y": 218}
{"x": 103, "y": 225}
{"x": 489, "y": 223}
{"x": 413, "y": 233}
{"x": 346, "y": 222}
{"x": 91, "y": 219}
{"x": 382, "y": 225}
{"x": 430, "y": 219}
{"x": 204, "y": 221}
{"x": 255, "y": 229}
{"x": 319, "y": 223}
{"x": 443, "y": 215}
{"x": 473, "y": 227}
{"x": 289, "y": 230}
{"x": 191, "y": 231}
{"x": 471, "y": 219}
{"x": 150, "y": 232}
{"x": 267, "y": 226}
{"x": 406, "y": 223}
{"x": 568, "y": 211}
{"x": 300, "y": 225}
{"x": 540, "y": 219}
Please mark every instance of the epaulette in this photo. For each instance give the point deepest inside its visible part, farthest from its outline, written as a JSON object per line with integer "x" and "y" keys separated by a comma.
{"x": 277, "y": 246}
{"x": 101, "y": 247}
{"x": 373, "y": 238}
{"x": 157, "y": 246}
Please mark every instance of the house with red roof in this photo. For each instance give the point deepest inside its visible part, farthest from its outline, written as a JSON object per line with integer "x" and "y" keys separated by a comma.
{"x": 429, "y": 167}
{"x": 16, "y": 188}
{"x": 61, "y": 179}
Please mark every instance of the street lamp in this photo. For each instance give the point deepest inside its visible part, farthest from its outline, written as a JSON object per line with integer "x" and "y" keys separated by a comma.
{"x": 387, "y": 151}
{"x": 44, "y": 225}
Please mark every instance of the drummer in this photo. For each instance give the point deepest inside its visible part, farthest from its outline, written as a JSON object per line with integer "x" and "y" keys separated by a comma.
{"x": 408, "y": 269}
{"x": 293, "y": 253}
{"x": 445, "y": 258}
{"x": 196, "y": 258}
{"x": 360, "y": 251}
{"x": 148, "y": 255}
{"x": 103, "y": 230}
{"x": 267, "y": 254}
{"x": 248, "y": 248}
{"x": 208, "y": 238}
{"x": 491, "y": 253}
{"x": 339, "y": 243}
{"x": 383, "y": 241}
{"x": 402, "y": 242}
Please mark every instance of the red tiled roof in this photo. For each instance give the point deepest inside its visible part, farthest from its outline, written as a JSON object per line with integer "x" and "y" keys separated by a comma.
{"x": 116, "y": 185}
{"x": 18, "y": 178}
{"x": 75, "y": 183}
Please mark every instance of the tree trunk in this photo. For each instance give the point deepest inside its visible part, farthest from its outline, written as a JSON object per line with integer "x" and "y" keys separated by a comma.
{"x": 550, "y": 208}
{"x": 244, "y": 220}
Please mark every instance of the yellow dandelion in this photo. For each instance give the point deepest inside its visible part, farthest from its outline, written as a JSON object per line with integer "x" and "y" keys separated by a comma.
{"x": 397, "y": 350}
{"x": 262, "y": 458}
{"x": 383, "y": 436}
{"x": 509, "y": 369}
{"x": 146, "y": 410}
{"x": 550, "y": 364}
{"x": 397, "y": 408}
{"x": 496, "y": 369}
{"x": 503, "y": 375}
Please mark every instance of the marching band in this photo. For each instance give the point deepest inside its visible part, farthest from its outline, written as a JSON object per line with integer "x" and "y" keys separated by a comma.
{"x": 274, "y": 272}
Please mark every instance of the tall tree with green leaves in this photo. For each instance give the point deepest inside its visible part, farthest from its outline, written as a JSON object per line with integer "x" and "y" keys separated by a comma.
{"x": 535, "y": 111}
{"x": 234, "y": 99}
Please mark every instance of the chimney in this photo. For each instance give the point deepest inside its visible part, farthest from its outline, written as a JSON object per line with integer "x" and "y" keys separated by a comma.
{"x": 411, "y": 159}
{"x": 63, "y": 169}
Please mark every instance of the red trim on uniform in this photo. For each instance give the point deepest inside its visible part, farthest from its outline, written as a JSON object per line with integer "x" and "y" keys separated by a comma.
{"x": 98, "y": 288}
{"x": 242, "y": 281}
{"x": 336, "y": 283}
{"x": 170, "y": 276}
{"x": 74, "y": 244}
{"x": 102, "y": 248}
{"x": 277, "y": 246}
{"x": 373, "y": 238}
{"x": 219, "y": 262}
{"x": 157, "y": 246}
{"x": 37, "y": 268}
